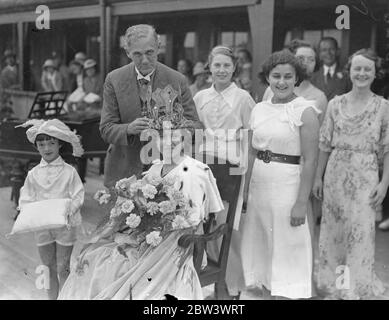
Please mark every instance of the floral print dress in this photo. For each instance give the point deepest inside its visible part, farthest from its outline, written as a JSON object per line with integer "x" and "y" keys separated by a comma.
{"x": 347, "y": 235}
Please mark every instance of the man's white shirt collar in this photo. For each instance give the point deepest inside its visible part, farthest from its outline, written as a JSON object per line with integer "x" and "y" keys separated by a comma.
{"x": 57, "y": 162}
{"x": 331, "y": 69}
{"x": 140, "y": 76}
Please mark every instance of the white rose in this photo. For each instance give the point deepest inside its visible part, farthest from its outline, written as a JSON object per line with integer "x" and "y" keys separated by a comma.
{"x": 127, "y": 206}
{"x": 154, "y": 238}
{"x": 149, "y": 191}
{"x": 133, "y": 220}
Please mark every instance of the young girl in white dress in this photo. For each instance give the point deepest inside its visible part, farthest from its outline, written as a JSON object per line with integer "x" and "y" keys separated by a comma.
{"x": 276, "y": 243}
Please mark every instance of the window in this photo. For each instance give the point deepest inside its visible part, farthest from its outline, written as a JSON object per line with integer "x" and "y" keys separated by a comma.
{"x": 234, "y": 39}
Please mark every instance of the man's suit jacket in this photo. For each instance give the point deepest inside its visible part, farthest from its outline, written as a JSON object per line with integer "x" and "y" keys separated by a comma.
{"x": 122, "y": 105}
{"x": 337, "y": 85}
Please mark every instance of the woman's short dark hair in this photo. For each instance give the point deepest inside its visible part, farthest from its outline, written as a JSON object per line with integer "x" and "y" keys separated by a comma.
{"x": 282, "y": 57}
{"x": 368, "y": 53}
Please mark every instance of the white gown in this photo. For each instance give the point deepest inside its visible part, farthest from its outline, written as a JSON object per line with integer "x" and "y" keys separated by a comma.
{"x": 275, "y": 254}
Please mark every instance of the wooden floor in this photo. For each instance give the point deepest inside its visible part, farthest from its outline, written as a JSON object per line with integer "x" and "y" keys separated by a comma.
{"x": 19, "y": 256}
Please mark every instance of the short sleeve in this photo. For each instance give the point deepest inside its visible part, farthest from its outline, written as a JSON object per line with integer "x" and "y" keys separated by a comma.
{"x": 251, "y": 123}
{"x": 384, "y": 135}
{"x": 326, "y": 130}
{"x": 213, "y": 201}
{"x": 322, "y": 103}
{"x": 27, "y": 192}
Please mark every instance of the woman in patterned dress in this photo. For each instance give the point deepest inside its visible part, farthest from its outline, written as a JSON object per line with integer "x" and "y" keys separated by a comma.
{"x": 353, "y": 136}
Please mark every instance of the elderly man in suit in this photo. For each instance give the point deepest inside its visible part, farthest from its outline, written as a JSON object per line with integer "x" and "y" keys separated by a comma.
{"x": 122, "y": 120}
{"x": 330, "y": 78}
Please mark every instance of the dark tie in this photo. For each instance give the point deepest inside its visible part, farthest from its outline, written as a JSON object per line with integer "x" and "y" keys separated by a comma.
{"x": 328, "y": 77}
{"x": 143, "y": 89}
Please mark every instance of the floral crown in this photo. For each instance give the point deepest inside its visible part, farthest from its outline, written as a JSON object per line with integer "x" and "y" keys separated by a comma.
{"x": 164, "y": 110}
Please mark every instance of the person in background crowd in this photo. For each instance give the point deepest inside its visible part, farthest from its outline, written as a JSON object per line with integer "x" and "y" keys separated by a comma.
{"x": 184, "y": 66}
{"x": 276, "y": 244}
{"x": 330, "y": 78}
{"x": 244, "y": 70}
{"x": 76, "y": 75}
{"x": 80, "y": 57}
{"x": 354, "y": 138}
{"x": 51, "y": 79}
{"x": 225, "y": 109}
{"x": 9, "y": 74}
{"x": 92, "y": 80}
{"x": 62, "y": 69}
{"x": 201, "y": 76}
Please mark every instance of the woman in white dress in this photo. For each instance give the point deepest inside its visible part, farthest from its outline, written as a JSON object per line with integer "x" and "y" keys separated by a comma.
{"x": 225, "y": 110}
{"x": 276, "y": 243}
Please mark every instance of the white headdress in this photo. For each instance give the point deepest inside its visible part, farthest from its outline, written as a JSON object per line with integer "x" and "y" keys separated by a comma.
{"x": 53, "y": 128}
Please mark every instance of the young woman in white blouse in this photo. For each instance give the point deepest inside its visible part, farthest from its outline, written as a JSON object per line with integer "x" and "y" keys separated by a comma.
{"x": 225, "y": 110}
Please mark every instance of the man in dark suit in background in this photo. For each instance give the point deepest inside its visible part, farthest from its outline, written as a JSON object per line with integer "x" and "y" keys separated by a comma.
{"x": 122, "y": 120}
{"x": 330, "y": 78}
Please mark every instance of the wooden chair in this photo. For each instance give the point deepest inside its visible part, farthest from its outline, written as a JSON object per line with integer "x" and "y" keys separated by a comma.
{"x": 215, "y": 272}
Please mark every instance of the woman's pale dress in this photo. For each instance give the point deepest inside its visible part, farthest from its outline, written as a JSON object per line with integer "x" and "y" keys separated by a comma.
{"x": 275, "y": 254}
{"x": 107, "y": 270}
{"x": 347, "y": 235}
{"x": 224, "y": 115}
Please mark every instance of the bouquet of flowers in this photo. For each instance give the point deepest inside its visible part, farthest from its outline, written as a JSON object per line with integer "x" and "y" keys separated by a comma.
{"x": 154, "y": 206}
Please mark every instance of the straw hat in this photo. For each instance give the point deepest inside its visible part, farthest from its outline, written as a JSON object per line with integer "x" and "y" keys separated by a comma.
{"x": 48, "y": 63}
{"x": 89, "y": 64}
{"x": 9, "y": 53}
{"x": 80, "y": 56}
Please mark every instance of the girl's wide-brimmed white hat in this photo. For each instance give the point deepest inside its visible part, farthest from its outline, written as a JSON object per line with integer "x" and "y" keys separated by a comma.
{"x": 53, "y": 128}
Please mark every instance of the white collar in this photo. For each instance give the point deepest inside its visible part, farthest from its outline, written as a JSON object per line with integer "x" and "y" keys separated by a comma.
{"x": 228, "y": 94}
{"x": 57, "y": 162}
{"x": 140, "y": 76}
{"x": 331, "y": 69}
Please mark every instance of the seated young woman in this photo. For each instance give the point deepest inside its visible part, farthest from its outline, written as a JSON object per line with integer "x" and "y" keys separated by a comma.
{"x": 121, "y": 264}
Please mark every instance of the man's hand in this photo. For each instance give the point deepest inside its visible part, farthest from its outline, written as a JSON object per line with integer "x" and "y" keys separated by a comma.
{"x": 137, "y": 126}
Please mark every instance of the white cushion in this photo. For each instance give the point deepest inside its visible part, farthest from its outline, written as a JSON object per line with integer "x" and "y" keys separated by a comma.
{"x": 42, "y": 215}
